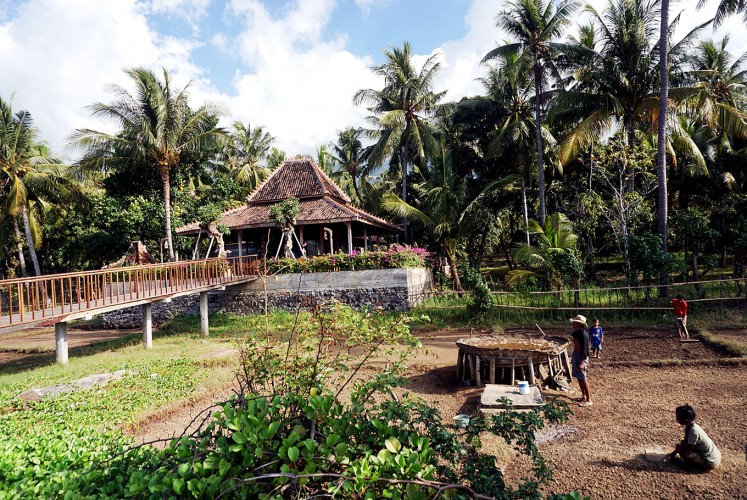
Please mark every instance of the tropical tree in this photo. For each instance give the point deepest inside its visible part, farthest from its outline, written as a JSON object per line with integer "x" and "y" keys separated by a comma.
{"x": 661, "y": 144}
{"x": 509, "y": 86}
{"x": 351, "y": 156}
{"x": 535, "y": 25}
{"x": 552, "y": 257}
{"x": 157, "y": 128}
{"x": 444, "y": 200}
{"x": 727, "y": 8}
{"x": 401, "y": 110}
{"x": 624, "y": 77}
{"x": 29, "y": 176}
{"x": 245, "y": 149}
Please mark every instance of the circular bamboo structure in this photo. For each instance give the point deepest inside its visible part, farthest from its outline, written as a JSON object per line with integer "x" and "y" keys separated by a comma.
{"x": 502, "y": 358}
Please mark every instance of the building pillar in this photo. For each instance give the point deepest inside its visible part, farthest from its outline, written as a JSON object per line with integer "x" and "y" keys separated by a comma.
{"x": 365, "y": 238}
{"x": 204, "y": 326}
{"x": 147, "y": 326}
{"x": 350, "y": 237}
{"x": 241, "y": 246}
{"x": 300, "y": 234}
{"x": 60, "y": 338}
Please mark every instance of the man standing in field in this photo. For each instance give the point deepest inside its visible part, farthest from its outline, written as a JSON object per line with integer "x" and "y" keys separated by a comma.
{"x": 580, "y": 359}
{"x": 679, "y": 308}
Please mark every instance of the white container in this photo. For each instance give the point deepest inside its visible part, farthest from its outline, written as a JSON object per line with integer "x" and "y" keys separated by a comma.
{"x": 461, "y": 421}
{"x": 523, "y": 387}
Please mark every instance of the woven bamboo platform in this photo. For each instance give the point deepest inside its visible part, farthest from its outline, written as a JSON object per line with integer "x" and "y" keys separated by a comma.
{"x": 510, "y": 358}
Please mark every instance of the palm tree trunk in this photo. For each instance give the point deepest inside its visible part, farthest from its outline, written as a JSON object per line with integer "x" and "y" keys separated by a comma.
{"x": 538, "y": 140}
{"x": 525, "y": 209}
{"x": 19, "y": 243}
{"x": 662, "y": 137}
{"x": 167, "y": 208}
{"x": 454, "y": 271}
{"x": 630, "y": 172}
{"x": 357, "y": 191}
{"x": 30, "y": 240}
{"x": 405, "y": 159}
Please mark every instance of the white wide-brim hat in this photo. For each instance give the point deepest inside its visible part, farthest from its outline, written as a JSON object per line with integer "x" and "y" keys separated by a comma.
{"x": 579, "y": 319}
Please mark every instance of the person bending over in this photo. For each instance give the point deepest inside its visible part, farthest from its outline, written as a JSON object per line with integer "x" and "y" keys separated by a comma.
{"x": 697, "y": 450}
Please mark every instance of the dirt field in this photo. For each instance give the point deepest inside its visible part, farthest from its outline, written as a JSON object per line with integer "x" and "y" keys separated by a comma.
{"x": 599, "y": 452}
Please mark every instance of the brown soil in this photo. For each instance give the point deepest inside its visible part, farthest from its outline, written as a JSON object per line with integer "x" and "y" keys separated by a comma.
{"x": 600, "y": 451}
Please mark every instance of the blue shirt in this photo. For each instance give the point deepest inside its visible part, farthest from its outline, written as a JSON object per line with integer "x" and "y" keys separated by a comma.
{"x": 595, "y": 335}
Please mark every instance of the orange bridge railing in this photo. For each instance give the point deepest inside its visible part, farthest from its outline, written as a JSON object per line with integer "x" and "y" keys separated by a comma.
{"x": 32, "y": 300}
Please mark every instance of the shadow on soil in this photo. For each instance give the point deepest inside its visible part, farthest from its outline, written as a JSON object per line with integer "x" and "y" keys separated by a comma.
{"x": 639, "y": 463}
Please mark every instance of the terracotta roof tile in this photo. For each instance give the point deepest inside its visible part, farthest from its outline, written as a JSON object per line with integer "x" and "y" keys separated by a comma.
{"x": 320, "y": 201}
{"x": 296, "y": 178}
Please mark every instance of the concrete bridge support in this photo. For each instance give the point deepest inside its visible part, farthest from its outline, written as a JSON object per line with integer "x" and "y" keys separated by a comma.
{"x": 204, "y": 326}
{"x": 147, "y": 326}
{"x": 60, "y": 338}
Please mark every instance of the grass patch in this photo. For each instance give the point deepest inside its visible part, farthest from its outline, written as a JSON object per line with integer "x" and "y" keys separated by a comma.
{"x": 729, "y": 346}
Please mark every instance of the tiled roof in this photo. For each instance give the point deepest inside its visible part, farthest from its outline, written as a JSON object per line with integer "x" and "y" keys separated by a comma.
{"x": 312, "y": 211}
{"x": 299, "y": 179}
{"x": 320, "y": 201}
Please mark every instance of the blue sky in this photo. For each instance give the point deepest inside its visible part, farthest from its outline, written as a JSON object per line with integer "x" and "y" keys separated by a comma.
{"x": 291, "y": 66}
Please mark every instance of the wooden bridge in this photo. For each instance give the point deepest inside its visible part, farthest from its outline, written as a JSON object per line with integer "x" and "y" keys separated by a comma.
{"x": 59, "y": 298}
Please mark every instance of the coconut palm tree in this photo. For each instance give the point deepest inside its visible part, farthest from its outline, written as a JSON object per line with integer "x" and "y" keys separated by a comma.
{"x": 727, "y": 8}
{"x": 401, "y": 110}
{"x": 157, "y": 127}
{"x": 351, "y": 156}
{"x": 625, "y": 76}
{"x": 245, "y": 148}
{"x": 661, "y": 146}
{"x": 535, "y": 25}
{"x": 509, "y": 95}
{"x": 29, "y": 176}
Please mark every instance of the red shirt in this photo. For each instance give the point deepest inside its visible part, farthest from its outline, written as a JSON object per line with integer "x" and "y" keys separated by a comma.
{"x": 680, "y": 307}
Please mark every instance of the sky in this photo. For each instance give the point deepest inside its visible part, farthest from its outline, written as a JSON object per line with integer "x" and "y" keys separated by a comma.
{"x": 291, "y": 66}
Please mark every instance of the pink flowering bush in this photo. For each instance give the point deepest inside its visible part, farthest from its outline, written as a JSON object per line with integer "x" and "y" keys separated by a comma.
{"x": 394, "y": 257}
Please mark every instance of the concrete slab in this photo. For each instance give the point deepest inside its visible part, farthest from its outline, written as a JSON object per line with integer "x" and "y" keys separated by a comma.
{"x": 494, "y": 392}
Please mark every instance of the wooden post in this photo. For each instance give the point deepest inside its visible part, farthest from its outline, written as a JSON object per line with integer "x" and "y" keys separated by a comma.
{"x": 471, "y": 360}
{"x": 478, "y": 375}
{"x": 60, "y": 338}
{"x": 513, "y": 371}
{"x": 550, "y": 367}
{"x": 530, "y": 363}
{"x": 460, "y": 366}
{"x": 147, "y": 326}
{"x": 204, "y": 326}
{"x": 491, "y": 376}
{"x": 567, "y": 364}
{"x": 241, "y": 245}
{"x": 350, "y": 237}
{"x": 365, "y": 238}
{"x": 300, "y": 234}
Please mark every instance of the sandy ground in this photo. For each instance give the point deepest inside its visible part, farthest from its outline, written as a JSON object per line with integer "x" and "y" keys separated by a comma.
{"x": 600, "y": 451}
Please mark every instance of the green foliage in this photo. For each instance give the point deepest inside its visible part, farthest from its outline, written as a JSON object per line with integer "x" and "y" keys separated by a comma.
{"x": 648, "y": 260}
{"x": 480, "y": 301}
{"x": 552, "y": 258}
{"x": 284, "y": 213}
{"x": 288, "y": 433}
{"x": 395, "y": 257}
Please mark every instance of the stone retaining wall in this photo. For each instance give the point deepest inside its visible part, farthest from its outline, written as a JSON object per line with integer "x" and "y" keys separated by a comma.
{"x": 390, "y": 289}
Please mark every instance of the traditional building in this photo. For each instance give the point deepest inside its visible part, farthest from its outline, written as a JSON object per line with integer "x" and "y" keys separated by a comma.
{"x": 326, "y": 223}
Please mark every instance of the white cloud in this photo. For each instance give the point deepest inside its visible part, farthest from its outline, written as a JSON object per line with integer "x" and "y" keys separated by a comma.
{"x": 367, "y": 5}
{"x": 301, "y": 85}
{"x": 59, "y": 55}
